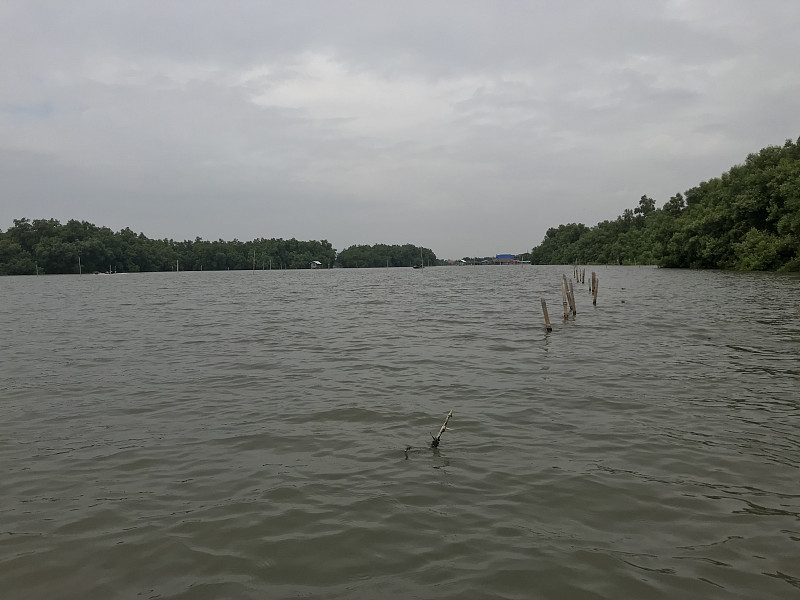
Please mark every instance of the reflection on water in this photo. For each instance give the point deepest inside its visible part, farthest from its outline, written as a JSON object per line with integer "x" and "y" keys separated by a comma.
{"x": 247, "y": 434}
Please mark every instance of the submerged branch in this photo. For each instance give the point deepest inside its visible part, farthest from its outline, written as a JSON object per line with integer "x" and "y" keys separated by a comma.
{"x": 438, "y": 436}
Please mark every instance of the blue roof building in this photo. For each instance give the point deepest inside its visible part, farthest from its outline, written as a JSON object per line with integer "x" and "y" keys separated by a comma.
{"x": 505, "y": 259}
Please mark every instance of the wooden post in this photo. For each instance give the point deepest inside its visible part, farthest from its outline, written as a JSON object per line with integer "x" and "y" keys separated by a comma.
{"x": 568, "y": 288}
{"x": 438, "y": 436}
{"x": 546, "y": 316}
{"x": 594, "y": 294}
{"x": 564, "y": 297}
{"x": 572, "y": 299}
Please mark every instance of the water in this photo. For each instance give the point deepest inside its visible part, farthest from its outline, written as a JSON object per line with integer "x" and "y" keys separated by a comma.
{"x": 242, "y": 435}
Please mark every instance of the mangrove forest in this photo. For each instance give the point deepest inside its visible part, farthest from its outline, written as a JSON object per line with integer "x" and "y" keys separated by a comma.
{"x": 746, "y": 219}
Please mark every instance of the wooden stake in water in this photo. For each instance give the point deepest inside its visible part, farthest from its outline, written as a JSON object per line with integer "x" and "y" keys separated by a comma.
{"x": 546, "y": 316}
{"x": 572, "y": 299}
{"x": 564, "y": 297}
{"x": 438, "y": 436}
{"x": 594, "y": 293}
{"x": 570, "y": 296}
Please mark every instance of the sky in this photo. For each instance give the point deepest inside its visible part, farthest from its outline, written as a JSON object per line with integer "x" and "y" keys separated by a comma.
{"x": 466, "y": 127}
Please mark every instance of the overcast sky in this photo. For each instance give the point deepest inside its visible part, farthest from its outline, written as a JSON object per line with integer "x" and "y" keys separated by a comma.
{"x": 467, "y": 127}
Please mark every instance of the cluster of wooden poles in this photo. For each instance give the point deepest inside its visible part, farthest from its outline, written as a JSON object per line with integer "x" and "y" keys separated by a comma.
{"x": 568, "y": 295}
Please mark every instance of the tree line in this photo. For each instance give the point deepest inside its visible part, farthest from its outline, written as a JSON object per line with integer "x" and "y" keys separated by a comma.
{"x": 746, "y": 219}
{"x": 46, "y": 246}
{"x": 382, "y": 255}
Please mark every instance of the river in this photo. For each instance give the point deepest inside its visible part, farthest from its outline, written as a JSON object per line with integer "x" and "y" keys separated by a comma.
{"x": 266, "y": 434}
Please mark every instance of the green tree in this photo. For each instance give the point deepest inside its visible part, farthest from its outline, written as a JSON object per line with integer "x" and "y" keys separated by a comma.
{"x": 748, "y": 218}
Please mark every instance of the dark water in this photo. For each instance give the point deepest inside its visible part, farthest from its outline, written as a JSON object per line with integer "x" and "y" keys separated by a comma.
{"x": 241, "y": 435}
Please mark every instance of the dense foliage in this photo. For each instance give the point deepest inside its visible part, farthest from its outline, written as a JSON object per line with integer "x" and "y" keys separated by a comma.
{"x": 746, "y": 219}
{"x": 47, "y": 246}
{"x": 381, "y": 255}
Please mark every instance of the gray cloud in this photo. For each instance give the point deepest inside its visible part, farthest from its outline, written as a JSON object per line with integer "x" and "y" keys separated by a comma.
{"x": 467, "y": 127}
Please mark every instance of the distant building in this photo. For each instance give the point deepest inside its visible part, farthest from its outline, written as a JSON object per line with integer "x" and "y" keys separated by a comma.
{"x": 505, "y": 259}
{"x": 315, "y": 264}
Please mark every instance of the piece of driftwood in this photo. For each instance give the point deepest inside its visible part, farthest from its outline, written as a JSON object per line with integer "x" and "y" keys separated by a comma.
{"x": 438, "y": 436}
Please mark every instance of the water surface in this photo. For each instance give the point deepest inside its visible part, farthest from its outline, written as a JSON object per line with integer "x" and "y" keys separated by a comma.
{"x": 243, "y": 435}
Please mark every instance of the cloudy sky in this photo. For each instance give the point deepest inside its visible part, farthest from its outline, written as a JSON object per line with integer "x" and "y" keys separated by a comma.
{"x": 467, "y": 127}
